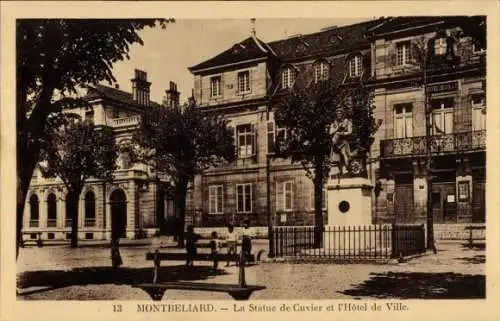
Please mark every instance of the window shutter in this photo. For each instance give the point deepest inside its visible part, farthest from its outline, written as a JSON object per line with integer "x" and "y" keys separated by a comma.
{"x": 254, "y": 140}
{"x": 430, "y": 47}
{"x": 235, "y": 139}
{"x": 270, "y": 137}
{"x": 294, "y": 192}
{"x": 392, "y": 53}
{"x": 449, "y": 46}
{"x": 279, "y": 197}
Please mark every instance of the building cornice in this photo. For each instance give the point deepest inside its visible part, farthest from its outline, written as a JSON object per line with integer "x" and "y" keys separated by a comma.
{"x": 198, "y": 71}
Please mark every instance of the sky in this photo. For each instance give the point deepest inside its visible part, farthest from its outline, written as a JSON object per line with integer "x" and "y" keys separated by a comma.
{"x": 167, "y": 53}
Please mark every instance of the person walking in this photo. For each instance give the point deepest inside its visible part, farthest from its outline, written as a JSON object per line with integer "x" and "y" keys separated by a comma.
{"x": 214, "y": 249}
{"x": 232, "y": 243}
{"x": 116, "y": 258}
{"x": 191, "y": 240}
{"x": 246, "y": 242}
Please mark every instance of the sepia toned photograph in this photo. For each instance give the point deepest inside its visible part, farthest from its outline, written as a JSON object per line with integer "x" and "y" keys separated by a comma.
{"x": 251, "y": 159}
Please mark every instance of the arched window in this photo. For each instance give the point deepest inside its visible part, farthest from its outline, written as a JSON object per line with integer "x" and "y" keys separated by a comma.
{"x": 34, "y": 211}
{"x": 321, "y": 71}
{"x": 89, "y": 209}
{"x": 51, "y": 210}
{"x": 287, "y": 78}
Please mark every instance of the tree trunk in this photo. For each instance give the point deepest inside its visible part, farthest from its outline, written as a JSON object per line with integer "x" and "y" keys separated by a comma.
{"x": 30, "y": 131}
{"x": 23, "y": 182}
{"x": 72, "y": 199}
{"x": 181, "y": 192}
{"x": 318, "y": 210}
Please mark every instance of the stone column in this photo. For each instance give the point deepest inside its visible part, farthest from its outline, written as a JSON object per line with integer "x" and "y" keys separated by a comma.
{"x": 131, "y": 209}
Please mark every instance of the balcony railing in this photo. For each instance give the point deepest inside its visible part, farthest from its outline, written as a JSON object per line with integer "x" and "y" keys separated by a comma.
{"x": 51, "y": 223}
{"x": 34, "y": 223}
{"x": 89, "y": 222}
{"x": 450, "y": 143}
{"x": 125, "y": 121}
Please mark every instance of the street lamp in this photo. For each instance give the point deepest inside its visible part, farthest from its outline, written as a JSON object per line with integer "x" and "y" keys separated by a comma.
{"x": 429, "y": 165}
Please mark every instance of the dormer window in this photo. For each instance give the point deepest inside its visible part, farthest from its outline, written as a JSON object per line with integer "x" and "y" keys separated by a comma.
{"x": 320, "y": 71}
{"x": 440, "y": 46}
{"x": 287, "y": 78}
{"x": 355, "y": 66}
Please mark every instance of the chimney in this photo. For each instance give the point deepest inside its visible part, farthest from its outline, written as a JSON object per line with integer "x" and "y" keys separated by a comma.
{"x": 171, "y": 96}
{"x": 252, "y": 27}
{"x": 140, "y": 87}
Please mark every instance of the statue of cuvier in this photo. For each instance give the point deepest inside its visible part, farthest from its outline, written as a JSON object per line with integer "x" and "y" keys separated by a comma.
{"x": 341, "y": 133}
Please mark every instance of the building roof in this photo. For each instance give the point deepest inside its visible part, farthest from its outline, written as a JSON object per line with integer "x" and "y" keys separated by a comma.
{"x": 332, "y": 41}
{"x": 250, "y": 48}
{"x": 396, "y": 24}
{"x": 114, "y": 94}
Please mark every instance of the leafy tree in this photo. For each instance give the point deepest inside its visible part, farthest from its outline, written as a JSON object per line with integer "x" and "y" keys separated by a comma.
{"x": 182, "y": 142}
{"x": 78, "y": 151}
{"x": 54, "y": 58}
{"x": 307, "y": 114}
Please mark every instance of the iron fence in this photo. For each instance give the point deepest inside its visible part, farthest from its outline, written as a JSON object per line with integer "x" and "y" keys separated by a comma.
{"x": 349, "y": 242}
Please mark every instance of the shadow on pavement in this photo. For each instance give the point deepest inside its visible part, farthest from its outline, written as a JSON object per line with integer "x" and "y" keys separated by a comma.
{"x": 414, "y": 285}
{"x": 53, "y": 279}
{"x": 478, "y": 259}
{"x": 475, "y": 246}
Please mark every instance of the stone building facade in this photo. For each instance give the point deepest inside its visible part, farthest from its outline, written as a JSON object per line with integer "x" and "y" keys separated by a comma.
{"x": 455, "y": 96}
{"x": 242, "y": 82}
{"x": 135, "y": 203}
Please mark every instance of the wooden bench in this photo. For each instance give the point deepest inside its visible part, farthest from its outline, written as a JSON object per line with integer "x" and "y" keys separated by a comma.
{"x": 156, "y": 290}
{"x": 472, "y": 228}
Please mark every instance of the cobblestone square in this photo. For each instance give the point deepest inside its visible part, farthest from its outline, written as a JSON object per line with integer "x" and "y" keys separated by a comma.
{"x": 60, "y": 273}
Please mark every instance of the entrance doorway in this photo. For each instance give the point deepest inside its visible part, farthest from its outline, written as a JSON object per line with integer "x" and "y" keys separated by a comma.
{"x": 118, "y": 202}
{"x": 403, "y": 199}
{"x": 444, "y": 206}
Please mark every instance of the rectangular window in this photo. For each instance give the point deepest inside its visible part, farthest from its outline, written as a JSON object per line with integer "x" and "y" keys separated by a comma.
{"x": 403, "y": 120}
{"x": 478, "y": 112}
{"x": 442, "y": 116}
{"x": 244, "y": 81}
{"x": 215, "y": 86}
{"x": 244, "y": 198}
{"x": 288, "y": 196}
{"x": 215, "y": 199}
{"x": 440, "y": 46}
{"x": 355, "y": 66}
{"x": 287, "y": 78}
{"x": 320, "y": 72}
{"x": 403, "y": 53}
{"x": 245, "y": 140}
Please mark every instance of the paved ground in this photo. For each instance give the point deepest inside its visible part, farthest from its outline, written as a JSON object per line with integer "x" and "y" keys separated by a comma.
{"x": 60, "y": 273}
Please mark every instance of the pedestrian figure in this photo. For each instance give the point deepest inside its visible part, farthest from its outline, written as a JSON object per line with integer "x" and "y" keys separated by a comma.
{"x": 116, "y": 258}
{"x": 191, "y": 240}
{"x": 214, "y": 249}
{"x": 246, "y": 242}
{"x": 232, "y": 243}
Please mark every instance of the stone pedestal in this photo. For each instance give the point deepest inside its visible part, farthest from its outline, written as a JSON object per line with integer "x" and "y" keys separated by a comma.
{"x": 349, "y": 201}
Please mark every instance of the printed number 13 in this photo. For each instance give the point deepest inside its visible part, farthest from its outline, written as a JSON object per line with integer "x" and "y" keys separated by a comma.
{"x": 117, "y": 308}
